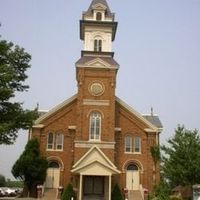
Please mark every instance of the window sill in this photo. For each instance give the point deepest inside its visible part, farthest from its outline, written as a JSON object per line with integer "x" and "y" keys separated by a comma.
{"x": 57, "y": 150}
{"x": 135, "y": 153}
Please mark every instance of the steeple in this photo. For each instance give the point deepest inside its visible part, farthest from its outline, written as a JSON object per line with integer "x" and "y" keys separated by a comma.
{"x": 98, "y": 28}
{"x": 99, "y": 3}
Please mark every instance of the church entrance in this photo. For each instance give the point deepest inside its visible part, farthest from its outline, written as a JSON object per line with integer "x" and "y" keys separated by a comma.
{"x": 53, "y": 175}
{"x": 132, "y": 177}
{"x": 93, "y": 187}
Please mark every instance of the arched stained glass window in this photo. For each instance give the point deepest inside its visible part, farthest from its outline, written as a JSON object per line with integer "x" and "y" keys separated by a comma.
{"x": 95, "y": 126}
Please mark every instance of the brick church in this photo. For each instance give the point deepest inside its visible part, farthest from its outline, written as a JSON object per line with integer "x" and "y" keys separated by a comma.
{"x": 94, "y": 139}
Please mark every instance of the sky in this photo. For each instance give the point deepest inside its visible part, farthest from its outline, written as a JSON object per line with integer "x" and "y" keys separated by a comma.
{"x": 157, "y": 46}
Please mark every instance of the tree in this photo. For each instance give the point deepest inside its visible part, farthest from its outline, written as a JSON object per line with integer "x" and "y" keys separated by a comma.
{"x": 116, "y": 193}
{"x": 181, "y": 158}
{"x": 14, "y": 62}
{"x": 161, "y": 192}
{"x": 68, "y": 193}
{"x": 30, "y": 168}
{"x": 2, "y": 181}
{"x": 155, "y": 153}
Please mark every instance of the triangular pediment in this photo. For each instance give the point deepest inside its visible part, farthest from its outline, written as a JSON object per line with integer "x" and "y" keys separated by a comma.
{"x": 98, "y": 63}
{"x": 94, "y": 160}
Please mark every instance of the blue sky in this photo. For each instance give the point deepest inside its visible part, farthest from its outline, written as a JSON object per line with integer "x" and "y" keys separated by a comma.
{"x": 157, "y": 46}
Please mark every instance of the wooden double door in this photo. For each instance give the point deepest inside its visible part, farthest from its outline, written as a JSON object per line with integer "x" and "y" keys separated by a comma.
{"x": 93, "y": 186}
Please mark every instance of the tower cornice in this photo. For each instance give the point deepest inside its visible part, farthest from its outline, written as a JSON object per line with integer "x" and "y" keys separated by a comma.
{"x": 84, "y": 23}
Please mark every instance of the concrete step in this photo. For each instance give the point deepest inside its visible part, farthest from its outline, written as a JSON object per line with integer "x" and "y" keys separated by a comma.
{"x": 134, "y": 195}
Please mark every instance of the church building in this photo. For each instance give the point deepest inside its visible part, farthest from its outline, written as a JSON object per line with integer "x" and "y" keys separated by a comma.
{"x": 94, "y": 140}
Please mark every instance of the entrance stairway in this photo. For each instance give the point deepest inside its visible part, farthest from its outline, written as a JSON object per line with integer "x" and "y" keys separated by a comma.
{"x": 134, "y": 195}
{"x": 50, "y": 194}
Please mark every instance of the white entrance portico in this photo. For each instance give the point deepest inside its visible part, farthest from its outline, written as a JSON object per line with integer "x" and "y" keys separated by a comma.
{"x": 95, "y": 172}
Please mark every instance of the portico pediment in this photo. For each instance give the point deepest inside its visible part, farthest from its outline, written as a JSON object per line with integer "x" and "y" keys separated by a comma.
{"x": 95, "y": 162}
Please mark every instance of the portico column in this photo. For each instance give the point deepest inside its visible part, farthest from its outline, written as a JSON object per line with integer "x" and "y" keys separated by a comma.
{"x": 109, "y": 198}
{"x": 80, "y": 187}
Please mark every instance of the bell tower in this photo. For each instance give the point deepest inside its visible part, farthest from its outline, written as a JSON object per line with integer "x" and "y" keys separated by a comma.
{"x": 96, "y": 72}
{"x": 97, "y": 27}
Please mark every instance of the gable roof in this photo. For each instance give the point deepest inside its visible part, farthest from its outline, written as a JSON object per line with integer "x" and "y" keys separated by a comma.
{"x": 55, "y": 109}
{"x": 95, "y": 2}
{"x": 153, "y": 122}
{"x": 152, "y": 127}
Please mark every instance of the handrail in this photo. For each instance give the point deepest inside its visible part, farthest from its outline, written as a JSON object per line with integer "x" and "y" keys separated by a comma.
{"x": 141, "y": 191}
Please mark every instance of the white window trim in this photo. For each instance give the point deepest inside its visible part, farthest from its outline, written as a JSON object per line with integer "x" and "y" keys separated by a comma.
{"x": 134, "y": 147}
{"x": 47, "y": 147}
{"x": 90, "y": 124}
{"x": 131, "y": 144}
{"x": 54, "y": 144}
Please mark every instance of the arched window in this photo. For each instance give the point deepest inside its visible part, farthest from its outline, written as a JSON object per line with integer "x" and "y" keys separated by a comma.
{"x": 99, "y": 16}
{"x": 53, "y": 164}
{"x": 128, "y": 144}
{"x": 98, "y": 45}
{"x": 50, "y": 141}
{"x": 132, "y": 167}
{"x": 95, "y": 126}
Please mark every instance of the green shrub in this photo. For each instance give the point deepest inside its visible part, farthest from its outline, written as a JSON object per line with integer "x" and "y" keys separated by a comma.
{"x": 174, "y": 197}
{"x": 68, "y": 193}
{"x": 161, "y": 192}
{"x": 116, "y": 193}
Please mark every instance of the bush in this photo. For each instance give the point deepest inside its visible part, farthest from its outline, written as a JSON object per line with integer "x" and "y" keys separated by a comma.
{"x": 68, "y": 193}
{"x": 116, "y": 193}
{"x": 161, "y": 192}
{"x": 2, "y": 181}
{"x": 174, "y": 197}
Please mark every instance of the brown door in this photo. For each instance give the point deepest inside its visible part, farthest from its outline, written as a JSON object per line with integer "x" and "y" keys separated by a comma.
{"x": 93, "y": 185}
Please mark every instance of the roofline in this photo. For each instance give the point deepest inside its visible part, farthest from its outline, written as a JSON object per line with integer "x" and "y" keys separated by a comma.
{"x": 55, "y": 109}
{"x": 137, "y": 114}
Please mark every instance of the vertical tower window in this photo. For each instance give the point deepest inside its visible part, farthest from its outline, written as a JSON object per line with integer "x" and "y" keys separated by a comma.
{"x": 98, "y": 45}
{"x": 128, "y": 144}
{"x": 95, "y": 126}
{"x": 50, "y": 141}
{"x": 137, "y": 144}
{"x": 99, "y": 16}
{"x": 59, "y": 141}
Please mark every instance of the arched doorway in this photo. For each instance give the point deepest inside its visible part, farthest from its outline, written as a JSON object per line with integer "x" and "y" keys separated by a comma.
{"x": 132, "y": 177}
{"x": 53, "y": 175}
